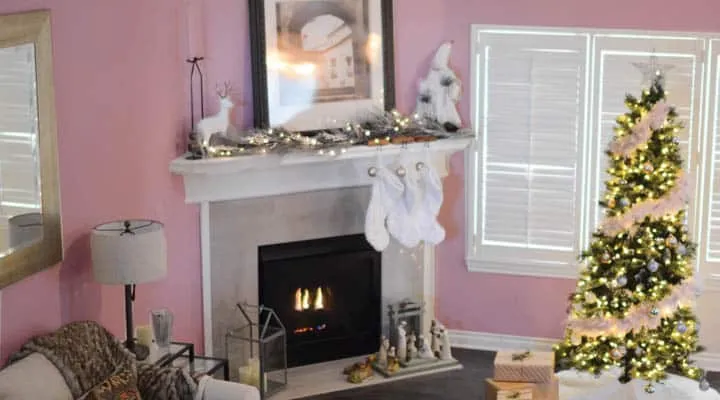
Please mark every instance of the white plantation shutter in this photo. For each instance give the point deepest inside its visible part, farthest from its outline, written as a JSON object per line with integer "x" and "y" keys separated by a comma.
{"x": 530, "y": 107}
{"x": 709, "y": 240}
{"x": 616, "y": 76}
{"x": 19, "y": 182}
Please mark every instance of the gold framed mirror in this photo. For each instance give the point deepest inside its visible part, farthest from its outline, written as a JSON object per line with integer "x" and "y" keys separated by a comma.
{"x": 30, "y": 233}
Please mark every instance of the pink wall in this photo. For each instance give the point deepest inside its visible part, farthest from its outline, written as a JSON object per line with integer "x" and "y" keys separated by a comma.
{"x": 119, "y": 88}
{"x": 121, "y": 85}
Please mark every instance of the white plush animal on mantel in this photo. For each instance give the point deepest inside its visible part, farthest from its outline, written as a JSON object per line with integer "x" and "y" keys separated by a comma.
{"x": 439, "y": 92}
{"x": 218, "y": 123}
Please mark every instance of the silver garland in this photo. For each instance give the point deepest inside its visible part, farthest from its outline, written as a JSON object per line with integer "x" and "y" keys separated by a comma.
{"x": 379, "y": 127}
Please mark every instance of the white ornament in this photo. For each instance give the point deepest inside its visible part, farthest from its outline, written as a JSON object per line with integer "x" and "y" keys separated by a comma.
{"x": 218, "y": 123}
{"x": 402, "y": 341}
{"x": 439, "y": 92}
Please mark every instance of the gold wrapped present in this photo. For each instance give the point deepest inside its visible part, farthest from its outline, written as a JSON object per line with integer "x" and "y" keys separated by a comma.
{"x": 524, "y": 366}
{"x": 522, "y": 390}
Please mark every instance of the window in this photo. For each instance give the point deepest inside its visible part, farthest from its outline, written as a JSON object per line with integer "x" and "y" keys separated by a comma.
{"x": 544, "y": 103}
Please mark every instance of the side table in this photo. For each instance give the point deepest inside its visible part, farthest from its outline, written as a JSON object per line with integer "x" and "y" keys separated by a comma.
{"x": 182, "y": 355}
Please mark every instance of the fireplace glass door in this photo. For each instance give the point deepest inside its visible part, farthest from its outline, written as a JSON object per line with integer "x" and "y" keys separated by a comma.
{"x": 327, "y": 294}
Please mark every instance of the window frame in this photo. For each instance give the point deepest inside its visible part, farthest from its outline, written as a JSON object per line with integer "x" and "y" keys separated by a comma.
{"x": 700, "y": 151}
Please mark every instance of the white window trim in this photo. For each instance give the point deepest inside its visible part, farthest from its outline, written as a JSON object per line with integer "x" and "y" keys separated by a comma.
{"x": 702, "y": 147}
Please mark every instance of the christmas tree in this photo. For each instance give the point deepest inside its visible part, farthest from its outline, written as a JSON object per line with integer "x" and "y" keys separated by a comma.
{"x": 633, "y": 306}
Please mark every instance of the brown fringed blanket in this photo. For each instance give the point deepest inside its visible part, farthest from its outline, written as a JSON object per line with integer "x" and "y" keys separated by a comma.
{"x": 86, "y": 355}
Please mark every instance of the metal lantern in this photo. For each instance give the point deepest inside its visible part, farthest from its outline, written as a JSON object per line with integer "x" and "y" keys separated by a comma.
{"x": 257, "y": 349}
{"x": 406, "y": 311}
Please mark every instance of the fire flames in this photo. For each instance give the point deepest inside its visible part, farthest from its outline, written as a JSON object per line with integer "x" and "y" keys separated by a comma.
{"x": 304, "y": 302}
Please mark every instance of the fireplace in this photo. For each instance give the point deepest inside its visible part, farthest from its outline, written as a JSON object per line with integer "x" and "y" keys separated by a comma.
{"x": 327, "y": 293}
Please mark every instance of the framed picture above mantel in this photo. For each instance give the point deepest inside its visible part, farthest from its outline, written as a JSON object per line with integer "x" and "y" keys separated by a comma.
{"x": 317, "y": 64}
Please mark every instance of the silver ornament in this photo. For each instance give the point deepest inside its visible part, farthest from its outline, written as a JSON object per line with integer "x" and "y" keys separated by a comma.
{"x": 624, "y": 202}
{"x": 653, "y": 266}
{"x": 616, "y": 354}
{"x": 401, "y": 172}
{"x": 682, "y": 250}
{"x": 648, "y": 167}
{"x": 671, "y": 241}
{"x": 649, "y": 388}
{"x": 704, "y": 384}
{"x": 681, "y": 327}
{"x": 655, "y": 312}
{"x": 622, "y": 281}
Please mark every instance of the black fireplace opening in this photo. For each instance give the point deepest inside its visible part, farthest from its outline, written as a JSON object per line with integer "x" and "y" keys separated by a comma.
{"x": 327, "y": 294}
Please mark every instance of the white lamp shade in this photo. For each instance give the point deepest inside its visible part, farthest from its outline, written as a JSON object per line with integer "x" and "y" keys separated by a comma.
{"x": 123, "y": 256}
{"x": 25, "y": 229}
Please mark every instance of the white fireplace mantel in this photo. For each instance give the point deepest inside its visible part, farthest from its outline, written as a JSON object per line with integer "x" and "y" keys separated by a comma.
{"x": 219, "y": 179}
{"x": 223, "y": 179}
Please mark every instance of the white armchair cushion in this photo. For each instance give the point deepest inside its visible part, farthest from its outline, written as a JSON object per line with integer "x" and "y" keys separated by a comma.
{"x": 33, "y": 377}
{"x": 213, "y": 389}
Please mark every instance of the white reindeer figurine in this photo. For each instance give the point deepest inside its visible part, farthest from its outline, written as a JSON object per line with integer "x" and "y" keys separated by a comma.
{"x": 219, "y": 122}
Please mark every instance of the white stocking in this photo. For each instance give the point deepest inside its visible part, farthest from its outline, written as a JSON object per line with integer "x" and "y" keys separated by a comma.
{"x": 386, "y": 189}
{"x": 403, "y": 217}
{"x": 432, "y": 198}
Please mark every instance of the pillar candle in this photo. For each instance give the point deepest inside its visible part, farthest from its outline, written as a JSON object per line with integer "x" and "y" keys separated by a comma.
{"x": 144, "y": 335}
{"x": 194, "y": 24}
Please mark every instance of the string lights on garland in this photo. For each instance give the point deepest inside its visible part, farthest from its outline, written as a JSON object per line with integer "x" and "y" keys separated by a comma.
{"x": 376, "y": 129}
{"x": 633, "y": 305}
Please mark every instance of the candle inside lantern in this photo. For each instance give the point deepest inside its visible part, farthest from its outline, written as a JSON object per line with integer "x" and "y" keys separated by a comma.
{"x": 250, "y": 374}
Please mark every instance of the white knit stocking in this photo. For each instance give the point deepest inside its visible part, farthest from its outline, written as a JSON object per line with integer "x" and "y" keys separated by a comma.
{"x": 432, "y": 198}
{"x": 386, "y": 189}
{"x": 403, "y": 217}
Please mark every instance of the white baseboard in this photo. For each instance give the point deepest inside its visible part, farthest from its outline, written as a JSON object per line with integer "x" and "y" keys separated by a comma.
{"x": 495, "y": 342}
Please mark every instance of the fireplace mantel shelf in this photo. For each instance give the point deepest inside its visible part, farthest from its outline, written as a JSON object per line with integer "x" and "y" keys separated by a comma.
{"x": 220, "y": 179}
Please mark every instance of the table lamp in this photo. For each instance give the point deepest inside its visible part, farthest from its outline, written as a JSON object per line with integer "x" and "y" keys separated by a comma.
{"x": 127, "y": 253}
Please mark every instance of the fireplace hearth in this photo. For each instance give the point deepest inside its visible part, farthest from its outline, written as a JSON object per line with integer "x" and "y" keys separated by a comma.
{"x": 327, "y": 293}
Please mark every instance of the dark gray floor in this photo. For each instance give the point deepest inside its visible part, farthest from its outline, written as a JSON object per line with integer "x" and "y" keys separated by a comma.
{"x": 465, "y": 384}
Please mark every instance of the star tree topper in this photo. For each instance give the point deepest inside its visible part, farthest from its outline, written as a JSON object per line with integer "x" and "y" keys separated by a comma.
{"x": 653, "y": 70}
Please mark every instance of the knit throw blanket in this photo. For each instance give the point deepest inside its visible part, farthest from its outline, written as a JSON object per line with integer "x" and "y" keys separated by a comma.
{"x": 86, "y": 354}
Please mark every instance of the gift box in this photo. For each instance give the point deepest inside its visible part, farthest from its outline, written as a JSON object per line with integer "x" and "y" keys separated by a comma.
{"x": 496, "y": 390}
{"x": 524, "y": 366}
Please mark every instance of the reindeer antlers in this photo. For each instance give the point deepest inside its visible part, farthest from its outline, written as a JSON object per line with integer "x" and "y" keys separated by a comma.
{"x": 225, "y": 91}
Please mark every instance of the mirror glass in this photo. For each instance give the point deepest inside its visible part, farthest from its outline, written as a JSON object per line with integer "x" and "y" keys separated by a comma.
{"x": 20, "y": 198}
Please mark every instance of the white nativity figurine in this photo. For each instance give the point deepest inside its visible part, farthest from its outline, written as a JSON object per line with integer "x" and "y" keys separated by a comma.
{"x": 412, "y": 352}
{"x": 434, "y": 343}
{"x": 383, "y": 352}
{"x": 218, "y": 123}
{"x": 439, "y": 92}
{"x": 402, "y": 341}
{"x": 444, "y": 339}
{"x": 424, "y": 352}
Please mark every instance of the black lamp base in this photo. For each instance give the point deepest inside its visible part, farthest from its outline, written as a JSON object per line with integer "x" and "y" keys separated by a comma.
{"x": 140, "y": 350}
